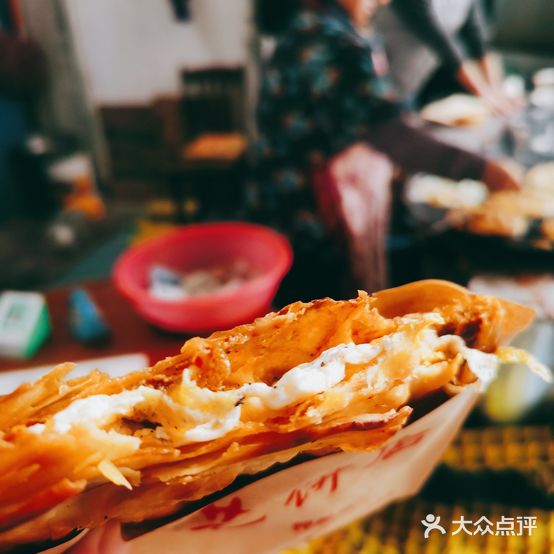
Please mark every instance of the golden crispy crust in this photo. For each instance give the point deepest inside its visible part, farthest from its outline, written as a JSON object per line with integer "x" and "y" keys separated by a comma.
{"x": 484, "y": 322}
{"x": 50, "y": 483}
{"x": 155, "y": 498}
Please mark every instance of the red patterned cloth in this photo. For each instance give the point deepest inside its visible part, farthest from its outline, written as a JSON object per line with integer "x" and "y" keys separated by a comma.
{"x": 353, "y": 193}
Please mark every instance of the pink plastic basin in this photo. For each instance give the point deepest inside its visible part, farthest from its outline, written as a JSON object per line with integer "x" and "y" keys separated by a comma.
{"x": 202, "y": 246}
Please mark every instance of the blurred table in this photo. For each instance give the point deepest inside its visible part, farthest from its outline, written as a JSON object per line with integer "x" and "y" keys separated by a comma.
{"x": 129, "y": 333}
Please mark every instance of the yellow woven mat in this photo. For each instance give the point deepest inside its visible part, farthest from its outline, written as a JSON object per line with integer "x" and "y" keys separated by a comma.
{"x": 399, "y": 530}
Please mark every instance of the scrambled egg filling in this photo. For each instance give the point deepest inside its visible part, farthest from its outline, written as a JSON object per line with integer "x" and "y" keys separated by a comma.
{"x": 187, "y": 414}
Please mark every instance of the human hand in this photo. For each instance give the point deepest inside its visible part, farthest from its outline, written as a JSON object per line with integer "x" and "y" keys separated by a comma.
{"x": 492, "y": 67}
{"x": 103, "y": 540}
{"x": 498, "y": 176}
{"x": 501, "y": 104}
{"x": 480, "y": 83}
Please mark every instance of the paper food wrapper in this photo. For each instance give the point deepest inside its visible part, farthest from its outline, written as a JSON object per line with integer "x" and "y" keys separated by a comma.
{"x": 314, "y": 498}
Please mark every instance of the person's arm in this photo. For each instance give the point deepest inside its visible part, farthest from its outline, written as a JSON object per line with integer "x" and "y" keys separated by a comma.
{"x": 415, "y": 150}
{"x": 420, "y": 18}
{"x": 491, "y": 66}
{"x": 474, "y": 35}
{"x": 470, "y": 77}
{"x": 474, "y": 32}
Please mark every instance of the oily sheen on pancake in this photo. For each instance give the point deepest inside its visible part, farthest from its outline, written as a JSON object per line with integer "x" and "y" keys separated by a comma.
{"x": 313, "y": 378}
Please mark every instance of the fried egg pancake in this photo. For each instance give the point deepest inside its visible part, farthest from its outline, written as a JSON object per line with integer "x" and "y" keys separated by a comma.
{"x": 312, "y": 378}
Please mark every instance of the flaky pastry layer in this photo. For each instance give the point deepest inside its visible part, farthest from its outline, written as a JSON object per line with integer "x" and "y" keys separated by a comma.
{"x": 314, "y": 378}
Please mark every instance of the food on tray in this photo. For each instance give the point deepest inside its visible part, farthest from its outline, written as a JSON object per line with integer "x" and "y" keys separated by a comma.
{"x": 512, "y": 214}
{"x": 457, "y": 110}
{"x": 441, "y": 192}
{"x": 489, "y": 222}
{"x": 506, "y": 213}
{"x": 312, "y": 378}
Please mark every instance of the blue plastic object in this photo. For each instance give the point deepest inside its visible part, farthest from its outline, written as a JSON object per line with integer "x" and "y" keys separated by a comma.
{"x": 85, "y": 319}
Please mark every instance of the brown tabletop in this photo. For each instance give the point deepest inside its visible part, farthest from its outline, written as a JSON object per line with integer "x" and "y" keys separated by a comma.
{"x": 129, "y": 333}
